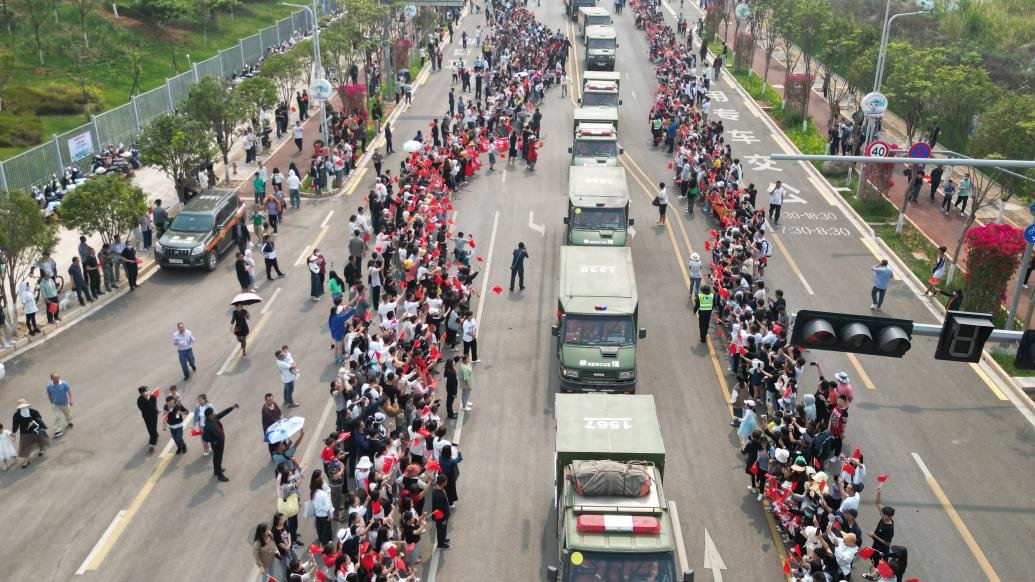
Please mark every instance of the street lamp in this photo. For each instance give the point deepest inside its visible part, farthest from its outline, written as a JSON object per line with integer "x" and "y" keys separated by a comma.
{"x": 925, "y": 7}
{"x": 317, "y": 65}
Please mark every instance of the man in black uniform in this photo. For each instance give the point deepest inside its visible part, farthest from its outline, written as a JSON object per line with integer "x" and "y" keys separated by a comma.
{"x": 214, "y": 435}
{"x": 703, "y": 304}
{"x": 149, "y": 410}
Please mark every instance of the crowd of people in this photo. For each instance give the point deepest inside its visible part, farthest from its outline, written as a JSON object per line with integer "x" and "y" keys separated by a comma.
{"x": 792, "y": 438}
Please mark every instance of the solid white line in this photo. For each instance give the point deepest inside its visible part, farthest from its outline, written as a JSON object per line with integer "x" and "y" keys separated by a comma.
{"x": 634, "y": 94}
{"x": 316, "y": 434}
{"x": 100, "y": 542}
{"x": 806, "y": 284}
{"x": 326, "y": 220}
{"x": 226, "y": 363}
{"x": 923, "y": 466}
{"x": 488, "y": 266}
{"x": 269, "y": 303}
{"x": 669, "y": 8}
{"x": 504, "y": 178}
{"x": 627, "y": 76}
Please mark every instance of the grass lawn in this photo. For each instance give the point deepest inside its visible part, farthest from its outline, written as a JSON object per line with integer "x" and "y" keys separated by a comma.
{"x": 1005, "y": 359}
{"x": 106, "y": 64}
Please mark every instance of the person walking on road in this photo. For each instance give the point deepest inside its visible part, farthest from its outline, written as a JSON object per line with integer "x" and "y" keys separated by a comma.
{"x": 882, "y": 276}
{"x": 937, "y": 272}
{"x": 60, "y": 395}
{"x": 184, "y": 340}
{"x": 776, "y": 202}
{"x": 470, "y": 336}
{"x": 297, "y": 134}
{"x": 947, "y": 193}
{"x": 214, "y": 435}
{"x": 695, "y": 266}
{"x": 288, "y": 374}
{"x": 661, "y": 201}
{"x": 149, "y": 411}
{"x": 963, "y": 195}
{"x": 936, "y": 179}
{"x": 31, "y": 430}
{"x": 388, "y": 139}
{"x": 440, "y": 511}
{"x": 175, "y": 414}
{"x": 269, "y": 254}
{"x": 239, "y": 327}
{"x": 704, "y": 302}
{"x": 517, "y": 266}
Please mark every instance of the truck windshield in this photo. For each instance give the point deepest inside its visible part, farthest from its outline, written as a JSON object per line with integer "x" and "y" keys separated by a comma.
{"x": 657, "y": 567}
{"x": 599, "y": 218}
{"x": 189, "y": 222}
{"x": 601, "y": 43}
{"x": 595, "y": 148}
{"x": 590, "y": 330}
{"x": 593, "y": 99}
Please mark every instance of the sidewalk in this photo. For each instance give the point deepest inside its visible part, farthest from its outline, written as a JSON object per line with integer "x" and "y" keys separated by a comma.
{"x": 925, "y": 216}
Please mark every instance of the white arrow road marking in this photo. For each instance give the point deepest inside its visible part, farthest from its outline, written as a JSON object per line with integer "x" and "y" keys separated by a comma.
{"x": 712, "y": 559}
{"x": 790, "y": 194}
{"x": 540, "y": 228}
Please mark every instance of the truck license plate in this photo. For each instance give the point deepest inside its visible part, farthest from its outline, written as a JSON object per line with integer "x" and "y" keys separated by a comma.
{"x": 176, "y": 261}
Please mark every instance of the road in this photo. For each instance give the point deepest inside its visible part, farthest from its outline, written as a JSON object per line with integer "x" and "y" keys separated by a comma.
{"x": 965, "y": 510}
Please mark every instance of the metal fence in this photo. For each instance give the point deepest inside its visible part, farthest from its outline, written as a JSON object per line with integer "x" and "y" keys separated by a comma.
{"x": 122, "y": 124}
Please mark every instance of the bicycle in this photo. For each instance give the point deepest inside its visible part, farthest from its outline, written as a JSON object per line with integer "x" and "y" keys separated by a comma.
{"x": 59, "y": 282}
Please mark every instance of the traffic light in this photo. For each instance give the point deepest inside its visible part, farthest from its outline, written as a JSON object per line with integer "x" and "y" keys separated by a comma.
{"x": 963, "y": 336}
{"x": 1025, "y": 359}
{"x": 859, "y": 334}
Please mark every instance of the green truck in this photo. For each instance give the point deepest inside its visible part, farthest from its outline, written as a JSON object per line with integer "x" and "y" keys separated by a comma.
{"x": 592, "y": 15}
{"x": 601, "y": 45}
{"x": 601, "y": 89}
{"x": 623, "y": 535}
{"x": 598, "y": 207}
{"x": 597, "y": 313}
{"x": 571, "y": 7}
{"x": 595, "y": 139}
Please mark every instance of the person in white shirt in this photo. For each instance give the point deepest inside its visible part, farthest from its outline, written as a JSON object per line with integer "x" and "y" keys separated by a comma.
{"x": 184, "y": 340}
{"x": 775, "y": 202}
{"x": 294, "y": 185}
{"x": 288, "y": 374}
{"x": 470, "y": 336}
{"x": 323, "y": 507}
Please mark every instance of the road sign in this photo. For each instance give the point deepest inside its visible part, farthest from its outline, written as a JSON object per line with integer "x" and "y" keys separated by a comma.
{"x": 878, "y": 149}
{"x": 743, "y": 11}
{"x": 920, "y": 150}
{"x": 874, "y": 104}
{"x": 410, "y": 11}
{"x": 321, "y": 90}
{"x": 1031, "y": 208}
{"x": 1029, "y": 233}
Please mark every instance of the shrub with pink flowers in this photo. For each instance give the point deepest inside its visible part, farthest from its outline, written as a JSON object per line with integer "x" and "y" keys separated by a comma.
{"x": 353, "y": 100}
{"x": 993, "y": 255}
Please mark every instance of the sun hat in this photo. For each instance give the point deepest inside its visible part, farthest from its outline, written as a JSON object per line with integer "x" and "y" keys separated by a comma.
{"x": 782, "y": 455}
{"x": 841, "y": 377}
{"x": 22, "y": 403}
{"x": 364, "y": 463}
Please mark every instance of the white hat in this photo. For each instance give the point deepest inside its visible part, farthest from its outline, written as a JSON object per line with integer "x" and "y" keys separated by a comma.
{"x": 841, "y": 377}
{"x": 22, "y": 403}
{"x": 364, "y": 463}
{"x": 695, "y": 257}
{"x": 781, "y": 455}
{"x": 749, "y": 402}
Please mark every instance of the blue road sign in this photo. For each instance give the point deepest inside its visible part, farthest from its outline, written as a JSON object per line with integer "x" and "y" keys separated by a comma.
{"x": 1029, "y": 233}
{"x": 1032, "y": 208}
{"x": 920, "y": 150}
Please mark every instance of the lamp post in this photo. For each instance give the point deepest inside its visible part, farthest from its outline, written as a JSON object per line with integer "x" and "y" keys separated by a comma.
{"x": 317, "y": 64}
{"x": 925, "y": 7}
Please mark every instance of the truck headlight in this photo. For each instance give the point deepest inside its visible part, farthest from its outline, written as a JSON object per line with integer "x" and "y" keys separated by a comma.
{"x": 627, "y": 375}
{"x": 197, "y": 250}
{"x": 159, "y": 248}
{"x": 568, "y": 373}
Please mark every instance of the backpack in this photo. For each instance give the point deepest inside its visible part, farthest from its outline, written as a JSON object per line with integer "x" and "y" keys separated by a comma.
{"x": 766, "y": 248}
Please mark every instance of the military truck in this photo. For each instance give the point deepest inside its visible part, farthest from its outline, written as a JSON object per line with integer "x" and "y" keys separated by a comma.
{"x": 597, "y": 115}
{"x": 598, "y": 207}
{"x": 592, "y": 15}
{"x": 595, "y": 144}
{"x": 601, "y": 44}
{"x": 602, "y": 93}
{"x": 571, "y": 7}
{"x": 597, "y": 312}
{"x": 635, "y": 536}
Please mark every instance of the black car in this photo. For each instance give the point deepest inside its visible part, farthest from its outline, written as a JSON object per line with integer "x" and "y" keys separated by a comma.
{"x": 201, "y": 231}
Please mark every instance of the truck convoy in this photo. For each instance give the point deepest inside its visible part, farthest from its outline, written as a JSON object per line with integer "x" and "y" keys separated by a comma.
{"x": 598, "y": 207}
{"x": 600, "y": 89}
{"x": 613, "y": 519}
{"x": 595, "y": 140}
{"x": 592, "y": 15}
{"x": 571, "y": 7}
{"x": 601, "y": 44}
{"x": 597, "y": 313}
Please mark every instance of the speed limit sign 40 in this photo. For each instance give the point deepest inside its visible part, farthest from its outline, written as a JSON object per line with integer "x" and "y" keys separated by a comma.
{"x": 878, "y": 149}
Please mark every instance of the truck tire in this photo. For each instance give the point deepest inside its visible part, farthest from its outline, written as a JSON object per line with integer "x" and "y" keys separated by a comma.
{"x": 210, "y": 260}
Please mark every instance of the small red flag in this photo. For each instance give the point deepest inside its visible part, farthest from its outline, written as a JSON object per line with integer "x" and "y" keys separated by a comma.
{"x": 786, "y": 567}
{"x": 432, "y": 466}
{"x": 797, "y": 549}
{"x": 882, "y": 478}
{"x": 497, "y": 289}
{"x": 156, "y": 393}
{"x": 913, "y": 580}
{"x": 471, "y": 242}
{"x": 315, "y": 549}
{"x": 670, "y": 165}
{"x": 378, "y": 249}
{"x": 195, "y": 431}
{"x": 437, "y": 515}
{"x": 865, "y": 553}
{"x": 848, "y": 468}
{"x": 857, "y": 453}
{"x": 816, "y": 462}
{"x": 884, "y": 570}
{"x": 320, "y": 575}
{"x": 480, "y": 259}
{"x": 754, "y": 469}
{"x": 366, "y": 237}
{"x": 787, "y": 393}
{"x": 367, "y": 315}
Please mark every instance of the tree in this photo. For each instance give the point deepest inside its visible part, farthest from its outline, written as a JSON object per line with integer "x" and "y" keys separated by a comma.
{"x": 958, "y": 92}
{"x": 256, "y": 94}
{"x": 802, "y": 23}
{"x": 134, "y": 54}
{"x": 843, "y": 43}
{"x": 24, "y": 236}
{"x": 157, "y": 12}
{"x": 761, "y": 19}
{"x": 303, "y": 53}
{"x": 36, "y": 10}
{"x": 908, "y": 83}
{"x": 213, "y": 102}
{"x": 206, "y": 12}
{"x": 7, "y": 17}
{"x": 283, "y": 70}
{"x": 1007, "y": 129}
{"x": 108, "y": 205}
{"x": 177, "y": 144}
{"x": 84, "y": 8}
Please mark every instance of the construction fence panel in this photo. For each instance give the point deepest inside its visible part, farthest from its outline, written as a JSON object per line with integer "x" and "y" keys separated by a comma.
{"x": 32, "y": 167}
{"x": 210, "y": 68}
{"x": 302, "y": 21}
{"x": 269, "y": 38}
{"x": 179, "y": 87}
{"x": 252, "y": 47}
{"x": 286, "y": 28}
{"x": 77, "y": 144}
{"x": 152, "y": 104}
{"x": 116, "y": 125}
{"x": 232, "y": 63}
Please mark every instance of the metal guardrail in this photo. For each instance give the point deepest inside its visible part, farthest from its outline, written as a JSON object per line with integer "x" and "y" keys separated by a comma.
{"x": 121, "y": 124}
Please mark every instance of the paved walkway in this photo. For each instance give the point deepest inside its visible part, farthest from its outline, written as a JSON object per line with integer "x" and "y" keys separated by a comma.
{"x": 926, "y": 216}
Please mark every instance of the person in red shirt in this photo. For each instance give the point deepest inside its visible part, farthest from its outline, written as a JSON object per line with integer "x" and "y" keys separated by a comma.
{"x": 838, "y": 421}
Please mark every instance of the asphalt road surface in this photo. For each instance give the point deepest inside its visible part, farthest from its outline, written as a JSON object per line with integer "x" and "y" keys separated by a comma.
{"x": 99, "y": 507}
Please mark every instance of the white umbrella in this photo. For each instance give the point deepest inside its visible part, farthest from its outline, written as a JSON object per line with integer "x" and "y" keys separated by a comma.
{"x": 412, "y": 146}
{"x": 246, "y": 299}
{"x": 283, "y": 429}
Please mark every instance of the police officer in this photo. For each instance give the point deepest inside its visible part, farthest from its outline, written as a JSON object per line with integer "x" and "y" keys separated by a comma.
{"x": 703, "y": 304}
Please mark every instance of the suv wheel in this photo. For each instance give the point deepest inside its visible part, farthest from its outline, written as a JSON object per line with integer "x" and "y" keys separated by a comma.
{"x": 210, "y": 260}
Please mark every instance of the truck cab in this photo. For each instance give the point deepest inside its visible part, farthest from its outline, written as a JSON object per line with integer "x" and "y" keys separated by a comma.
{"x": 597, "y": 313}
{"x": 603, "y": 94}
{"x": 598, "y": 207}
{"x": 614, "y": 536}
{"x": 571, "y": 7}
{"x": 595, "y": 144}
{"x": 601, "y": 45}
{"x": 590, "y": 16}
